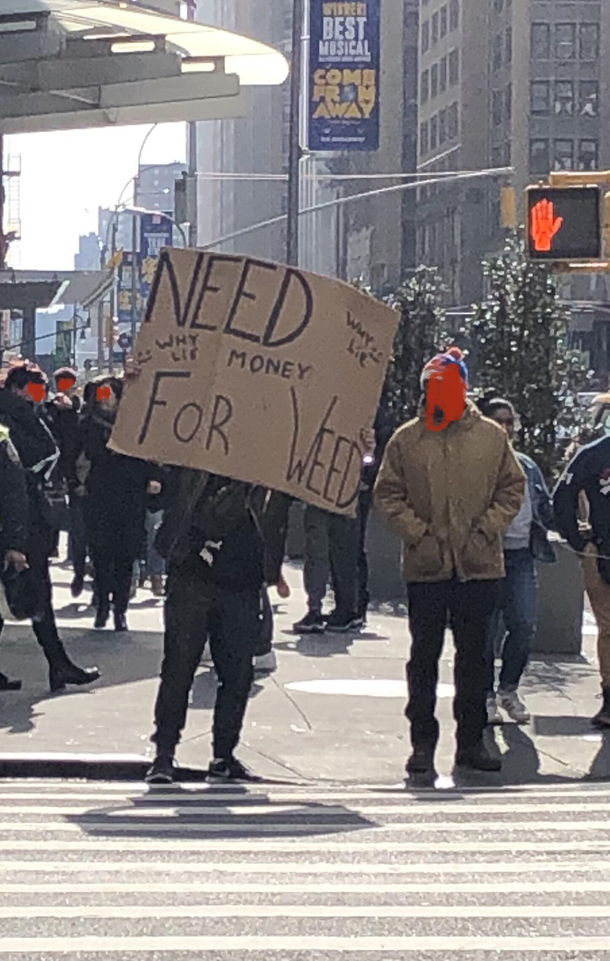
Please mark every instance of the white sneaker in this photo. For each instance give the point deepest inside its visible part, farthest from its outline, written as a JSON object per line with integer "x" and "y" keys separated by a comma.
{"x": 514, "y": 706}
{"x": 493, "y": 714}
{"x": 265, "y": 663}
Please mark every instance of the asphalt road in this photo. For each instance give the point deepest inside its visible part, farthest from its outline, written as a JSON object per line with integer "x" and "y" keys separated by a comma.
{"x": 113, "y": 872}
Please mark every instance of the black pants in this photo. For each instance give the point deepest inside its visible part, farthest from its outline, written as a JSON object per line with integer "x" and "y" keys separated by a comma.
{"x": 264, "y": 640}
{"x": 194, "y": 608}
{"x": 78, "y": 535}
{"x": 113, "y": 565}
{"x": 45, "y": 629}
{"x": 331, "y": 547}
{"x": 364, "y": 509}
{"x": 468, "y": 608}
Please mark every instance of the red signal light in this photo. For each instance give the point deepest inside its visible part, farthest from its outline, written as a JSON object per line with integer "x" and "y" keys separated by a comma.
{"x": 544, "y": 225}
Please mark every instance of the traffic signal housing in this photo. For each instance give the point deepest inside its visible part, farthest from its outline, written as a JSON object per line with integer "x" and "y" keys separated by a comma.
{"x": 564, "y": 223}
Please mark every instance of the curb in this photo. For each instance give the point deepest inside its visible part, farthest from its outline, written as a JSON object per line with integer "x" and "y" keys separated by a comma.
{"x": 91, "y": 767}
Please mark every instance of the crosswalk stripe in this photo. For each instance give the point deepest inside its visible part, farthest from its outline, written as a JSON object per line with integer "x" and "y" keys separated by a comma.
{"x": 337, "y": 888}
{"x": 295, "y": 867}
{"x": 288, "y": 911}
{"x": 347, "y": 808}
{"x": 271, "y": 826}
{"x": 347, "y": 945}
{"x": 321, "y": 845}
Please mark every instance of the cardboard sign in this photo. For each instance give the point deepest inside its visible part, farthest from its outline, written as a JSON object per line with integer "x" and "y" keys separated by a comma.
{"x": 259, "y": 372}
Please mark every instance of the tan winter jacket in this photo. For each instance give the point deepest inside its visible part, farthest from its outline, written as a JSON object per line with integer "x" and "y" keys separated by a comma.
{"x": 450, "y": 496}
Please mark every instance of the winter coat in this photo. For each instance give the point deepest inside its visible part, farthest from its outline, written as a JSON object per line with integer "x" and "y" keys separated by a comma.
{"x": 115, "y": 487}
{"x": 13, "y": 498}
{"x": 450, "y": 496}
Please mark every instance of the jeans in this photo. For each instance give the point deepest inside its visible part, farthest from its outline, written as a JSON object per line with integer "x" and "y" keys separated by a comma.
{"x": 194, "y": 608}
{"x": 513, "y": 622}
{"x": 331, "y": 542}
{"x": 113, "y": 564}
{"x": 469, "y": 607}
{"x": 154, "y": 562}
{"x": 599, "y": 596}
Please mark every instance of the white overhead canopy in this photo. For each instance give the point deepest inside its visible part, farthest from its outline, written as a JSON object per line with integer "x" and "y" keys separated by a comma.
{"x": 82, "y": 63}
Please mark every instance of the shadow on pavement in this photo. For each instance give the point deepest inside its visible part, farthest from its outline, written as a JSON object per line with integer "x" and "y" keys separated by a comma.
{"x": 234, "y": 818}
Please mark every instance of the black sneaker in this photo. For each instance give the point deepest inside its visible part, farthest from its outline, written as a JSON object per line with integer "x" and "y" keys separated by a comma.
{"x": 343, "y": 623}
{"x": 161, "y": 770}
{"x": 478, "y": 758}
{"x": 421, "y": 761}
{"x": 230, "y": 770}
{"x": 602, "y": 718}
{"x": 7, "y": 685}
{"x": 312, "y": 623}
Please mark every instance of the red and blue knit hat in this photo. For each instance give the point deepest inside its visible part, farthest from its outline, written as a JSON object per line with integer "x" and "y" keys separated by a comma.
{"x": 438, "y": 363}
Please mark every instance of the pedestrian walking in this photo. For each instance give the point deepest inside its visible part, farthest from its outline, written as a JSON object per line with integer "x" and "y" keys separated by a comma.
{"x": 13, "y": 520}
{"x": 213, "y": 544}
{"x": 449, "y": 486}
{"x": 116, "y": 487}
{"x": 526, "y": 542}
{"x": 588, "y": 473}
{"x": 20, "y": 402}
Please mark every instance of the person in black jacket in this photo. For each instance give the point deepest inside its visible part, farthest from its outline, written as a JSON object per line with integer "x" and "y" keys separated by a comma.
{"x": 13, "y": 519}
{"x": 589, "y": 473}
{"x": 213, "y": 540}
{"x": 20, "y": 398}
{"x": 116, "y": 487}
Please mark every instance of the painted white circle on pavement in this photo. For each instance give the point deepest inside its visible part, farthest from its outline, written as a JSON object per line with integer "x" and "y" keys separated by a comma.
{"x": 362, "y": 687}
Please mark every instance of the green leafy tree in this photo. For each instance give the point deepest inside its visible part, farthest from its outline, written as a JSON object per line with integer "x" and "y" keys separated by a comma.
{"x": 420, "y": 335}
{"x": 519, "y": 349}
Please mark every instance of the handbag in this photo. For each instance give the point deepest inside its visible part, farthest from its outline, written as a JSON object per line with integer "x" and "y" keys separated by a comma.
{"x": 22, "y": 594}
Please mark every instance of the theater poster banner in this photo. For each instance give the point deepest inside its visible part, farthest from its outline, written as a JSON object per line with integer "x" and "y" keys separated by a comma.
{"x": 344, "y": 63}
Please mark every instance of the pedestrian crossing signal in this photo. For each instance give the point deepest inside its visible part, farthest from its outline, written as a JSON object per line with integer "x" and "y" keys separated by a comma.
{"x": 564, "y": 223}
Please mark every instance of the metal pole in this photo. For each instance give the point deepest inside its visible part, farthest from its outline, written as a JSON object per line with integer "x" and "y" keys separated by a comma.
{"x": 294, "y": 153}
{"x": 100, "y": 317}
{"x": 2, "y": 198}
{"x": 134, "y": 255}
{"x": 191, "y": 11}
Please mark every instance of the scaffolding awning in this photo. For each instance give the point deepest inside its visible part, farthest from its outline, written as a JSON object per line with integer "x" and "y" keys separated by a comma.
{"x": 67, "y": 64}
{"x": 31, "y": 289}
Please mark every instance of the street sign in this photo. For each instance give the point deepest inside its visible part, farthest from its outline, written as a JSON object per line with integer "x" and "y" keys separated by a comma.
{"x": 564, "y": 223}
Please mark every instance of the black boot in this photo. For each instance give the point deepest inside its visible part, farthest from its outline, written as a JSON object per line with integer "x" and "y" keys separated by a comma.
{"x": 120, "y": 622}
{"x": 602, "y": 718}
{"x": 8, "y": 685}
{"x": 102, "y": 615}
{"x": 421, "y": 761}
{"x": 65, "y": 672}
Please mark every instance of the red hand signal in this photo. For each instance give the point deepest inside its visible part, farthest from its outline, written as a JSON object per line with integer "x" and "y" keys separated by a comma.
{"x": 544, "y": 225}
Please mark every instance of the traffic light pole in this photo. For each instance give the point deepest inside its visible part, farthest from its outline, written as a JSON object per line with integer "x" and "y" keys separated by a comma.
{"x": 294, "y": 150}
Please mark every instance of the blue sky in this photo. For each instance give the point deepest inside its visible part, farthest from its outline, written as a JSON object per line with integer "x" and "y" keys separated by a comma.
{"x": 67, "y": 176}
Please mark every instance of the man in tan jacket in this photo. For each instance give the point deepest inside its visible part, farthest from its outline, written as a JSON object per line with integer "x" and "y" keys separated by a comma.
{"x": 449, "y": 486}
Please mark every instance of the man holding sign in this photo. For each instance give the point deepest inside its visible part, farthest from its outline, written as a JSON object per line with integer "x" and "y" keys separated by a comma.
{"x": 252, "y": 375}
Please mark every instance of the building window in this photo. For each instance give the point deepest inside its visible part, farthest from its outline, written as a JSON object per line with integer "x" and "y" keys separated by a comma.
{"x": 541, "y": 41}
{"x": 435, "y": 28}
{"x": 563, "y": 155}
{"x": 508, "y": 103}
{"x": 588, "y": 155}
{"x": 497, "y": 53}
{"x": 564, "y": 98}
{"x": 496, "y": 107}
{"x": 424, "y": 87}
{"x": 540, "y": 160}
{"x": 434, "y": 132}
{"x": 565, "y": 41}
{"x": 540, "y": 98}
{"x": 454, "y": 67}
{"x": 443, "y": 75}
{"x": 454, "y": 14}
{"x": 508, "y": 46}
{"x": 452, "y": 122}
{"x": 442, "y": 127}
{"x": 424, "y": 141}
{"x": 588, "y": 98}
{"x": 444, "y": 21}
{"x": 425, "y": 36}
{"x": 588, "y": 38}
{"x": 434, "y": 81}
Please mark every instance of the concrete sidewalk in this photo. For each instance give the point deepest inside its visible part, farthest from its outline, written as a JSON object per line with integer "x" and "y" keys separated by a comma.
{"x": 332, "y": 711}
